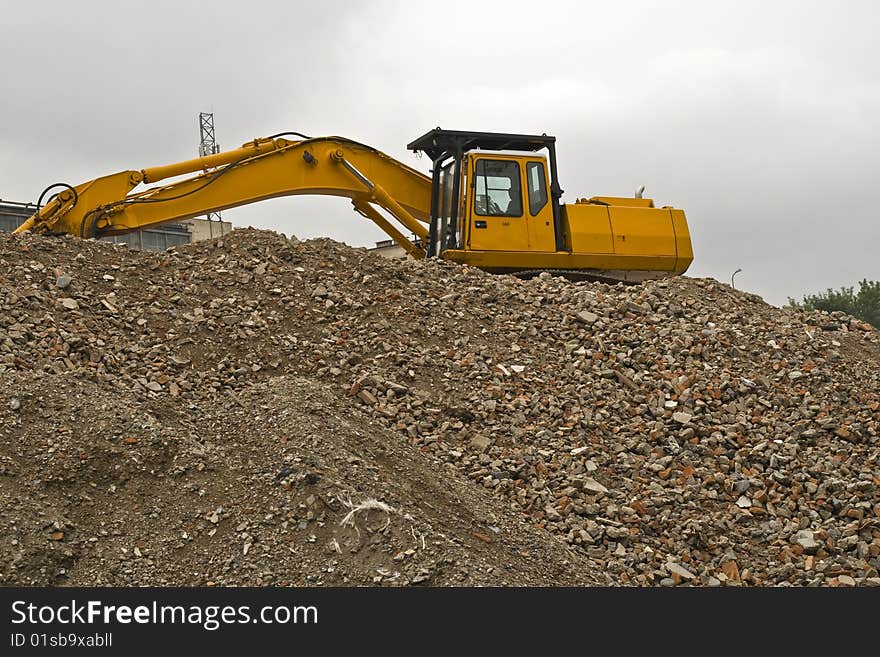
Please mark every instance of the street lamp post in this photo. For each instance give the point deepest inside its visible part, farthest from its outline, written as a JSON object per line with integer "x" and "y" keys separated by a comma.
{"x": 731, "y": 278}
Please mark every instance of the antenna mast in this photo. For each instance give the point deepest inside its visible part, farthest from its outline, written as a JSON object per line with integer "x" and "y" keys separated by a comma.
{"x": 208, "y": 146}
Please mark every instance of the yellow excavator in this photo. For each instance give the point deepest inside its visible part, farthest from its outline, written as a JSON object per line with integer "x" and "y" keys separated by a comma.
{"x": 493, "y": 201}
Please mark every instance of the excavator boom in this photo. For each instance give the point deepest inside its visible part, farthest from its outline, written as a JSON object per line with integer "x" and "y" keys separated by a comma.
{"x": 259, "y": 170}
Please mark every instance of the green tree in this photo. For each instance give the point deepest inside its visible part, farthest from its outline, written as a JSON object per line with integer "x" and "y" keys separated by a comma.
{"x": 864, "y": 304}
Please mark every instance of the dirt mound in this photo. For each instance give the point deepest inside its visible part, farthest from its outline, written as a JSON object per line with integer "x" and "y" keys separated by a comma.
{"x": 213, "y": 413}
{"x": 103, "y": 487}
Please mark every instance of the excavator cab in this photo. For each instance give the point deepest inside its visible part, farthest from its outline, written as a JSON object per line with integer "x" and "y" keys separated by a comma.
{"x": 491, "y": 192}
{"x": 495, "y": 204}
{"x": 509, "y": 207}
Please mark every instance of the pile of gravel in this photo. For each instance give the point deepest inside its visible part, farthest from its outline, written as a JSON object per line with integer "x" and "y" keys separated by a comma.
{"x": 212, "y": 413}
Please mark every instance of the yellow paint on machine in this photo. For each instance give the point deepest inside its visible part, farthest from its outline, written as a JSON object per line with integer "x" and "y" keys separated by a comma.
{"x": 684, "y": 248}
{"x": 590, "y": 228}
{"x": 642, "y": 231}
{"x": 604, "y": 233}
{"x": 613, "y": 234}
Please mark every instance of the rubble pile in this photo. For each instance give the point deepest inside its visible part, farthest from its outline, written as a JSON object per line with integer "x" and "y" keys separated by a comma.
{"x": 214, "y": 412}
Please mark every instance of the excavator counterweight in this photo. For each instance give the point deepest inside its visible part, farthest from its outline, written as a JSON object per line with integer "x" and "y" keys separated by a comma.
{"x": 493, "y": 201}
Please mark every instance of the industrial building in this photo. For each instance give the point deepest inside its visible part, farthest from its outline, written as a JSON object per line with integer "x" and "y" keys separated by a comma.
{"x": 389, "y": 249}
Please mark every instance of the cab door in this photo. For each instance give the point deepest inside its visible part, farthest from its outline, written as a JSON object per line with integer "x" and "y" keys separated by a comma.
{"x": 497, "y": 220}
{"x": 540, "y": 211}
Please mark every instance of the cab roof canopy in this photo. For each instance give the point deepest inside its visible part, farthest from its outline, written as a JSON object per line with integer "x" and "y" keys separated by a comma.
{"x": 439, "y": 144}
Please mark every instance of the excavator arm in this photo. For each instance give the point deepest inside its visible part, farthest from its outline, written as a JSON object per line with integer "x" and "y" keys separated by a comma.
{"x": 261, "y": 169}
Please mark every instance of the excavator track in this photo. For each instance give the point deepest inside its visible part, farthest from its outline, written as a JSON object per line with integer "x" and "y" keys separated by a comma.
{"x": 575, "y": 276}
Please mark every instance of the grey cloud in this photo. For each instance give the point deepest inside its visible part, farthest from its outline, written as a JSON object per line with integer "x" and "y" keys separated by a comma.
{"x": 759, "y": 119}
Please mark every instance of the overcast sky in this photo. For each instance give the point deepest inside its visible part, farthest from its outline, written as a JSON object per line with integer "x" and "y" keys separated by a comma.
{"x": 759, "y": 119}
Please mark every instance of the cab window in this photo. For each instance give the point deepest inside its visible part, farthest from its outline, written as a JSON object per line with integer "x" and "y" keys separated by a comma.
{"x": 497, "y": 188}
{"x": 537, "y": 185}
